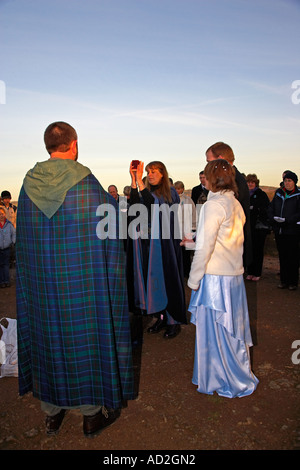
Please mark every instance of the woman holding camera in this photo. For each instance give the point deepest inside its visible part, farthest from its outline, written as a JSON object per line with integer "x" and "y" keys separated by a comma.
{"x": 157, "y": 259}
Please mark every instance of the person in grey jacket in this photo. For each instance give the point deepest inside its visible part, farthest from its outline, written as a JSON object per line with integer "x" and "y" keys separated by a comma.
{"x": 7, "y": 238}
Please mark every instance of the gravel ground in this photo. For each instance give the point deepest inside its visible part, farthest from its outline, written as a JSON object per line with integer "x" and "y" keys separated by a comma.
{"x": 168, "y": 413}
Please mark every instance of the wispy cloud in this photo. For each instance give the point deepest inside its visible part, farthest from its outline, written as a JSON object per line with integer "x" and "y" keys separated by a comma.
{"x": 178, "y": 117}
{"x": 216, "y": 114}
{"x": 267, "y": 87}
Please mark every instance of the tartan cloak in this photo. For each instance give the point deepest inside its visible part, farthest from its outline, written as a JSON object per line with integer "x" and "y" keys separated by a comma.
{"x": 74, "y": 345}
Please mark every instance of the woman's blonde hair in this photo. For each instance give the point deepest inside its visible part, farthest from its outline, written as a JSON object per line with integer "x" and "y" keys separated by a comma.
{"x": 221, "y": 176}
{"x": 164, "y": 187}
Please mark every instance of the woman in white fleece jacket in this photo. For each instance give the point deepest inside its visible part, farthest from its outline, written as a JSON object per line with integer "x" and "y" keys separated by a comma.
{"x": 218, "y": 302}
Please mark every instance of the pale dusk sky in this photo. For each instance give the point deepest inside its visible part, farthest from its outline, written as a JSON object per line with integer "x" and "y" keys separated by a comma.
{"x": 151, "y": 80}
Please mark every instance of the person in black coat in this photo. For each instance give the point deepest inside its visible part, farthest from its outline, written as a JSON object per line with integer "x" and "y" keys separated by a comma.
{"x": 199, "y": 193}
{"x": 259, "y": 203}
{"x": 222, "y": 150}
{"x": 157, "y": 269}
{"x": 284, "y": 214}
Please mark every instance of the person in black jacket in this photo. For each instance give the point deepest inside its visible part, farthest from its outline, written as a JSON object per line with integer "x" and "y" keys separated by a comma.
{"x": 284, "y": 213}
{"x": 259, "y": 203}
{"x": 222, "y": 150}
{"x": 199, "y": 193}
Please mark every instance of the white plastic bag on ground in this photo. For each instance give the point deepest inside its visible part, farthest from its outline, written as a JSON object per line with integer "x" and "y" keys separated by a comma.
{"x": 8, "y": 348}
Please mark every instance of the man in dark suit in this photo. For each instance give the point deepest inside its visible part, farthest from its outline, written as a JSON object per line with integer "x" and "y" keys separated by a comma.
{"x": 222, "y": 150}
{"x": 199, "y": 193}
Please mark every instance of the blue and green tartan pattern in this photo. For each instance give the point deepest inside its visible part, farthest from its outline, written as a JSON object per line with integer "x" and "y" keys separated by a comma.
{"x": 74, "y": 343}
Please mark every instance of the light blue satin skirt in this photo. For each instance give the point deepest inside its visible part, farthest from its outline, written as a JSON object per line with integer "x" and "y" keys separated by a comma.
{"x": 222, "y": 362}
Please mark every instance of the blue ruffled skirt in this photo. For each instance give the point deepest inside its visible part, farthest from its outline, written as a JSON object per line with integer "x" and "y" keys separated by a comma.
{"x": 222, "y": 362}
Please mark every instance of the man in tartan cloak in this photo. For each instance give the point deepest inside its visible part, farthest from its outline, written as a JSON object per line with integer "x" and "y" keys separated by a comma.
{"x": 74, "y": 345}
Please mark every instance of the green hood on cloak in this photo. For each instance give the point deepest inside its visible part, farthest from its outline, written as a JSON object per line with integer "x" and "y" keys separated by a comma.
{"x": 48, "y": 183}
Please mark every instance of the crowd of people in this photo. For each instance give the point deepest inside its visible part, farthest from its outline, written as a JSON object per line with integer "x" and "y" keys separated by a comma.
{"x": 8, "y": 217}
{"x": 75, "y": 289}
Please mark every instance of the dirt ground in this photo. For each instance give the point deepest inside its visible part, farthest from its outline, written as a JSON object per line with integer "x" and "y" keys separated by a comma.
{"x": 168, "y": 413}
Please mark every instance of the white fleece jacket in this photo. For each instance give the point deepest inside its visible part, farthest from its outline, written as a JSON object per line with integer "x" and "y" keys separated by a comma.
{"x": 219, "y": 239}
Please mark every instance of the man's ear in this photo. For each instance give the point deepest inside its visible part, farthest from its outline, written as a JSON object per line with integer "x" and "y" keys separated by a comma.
{"x": 73, "y": 147}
